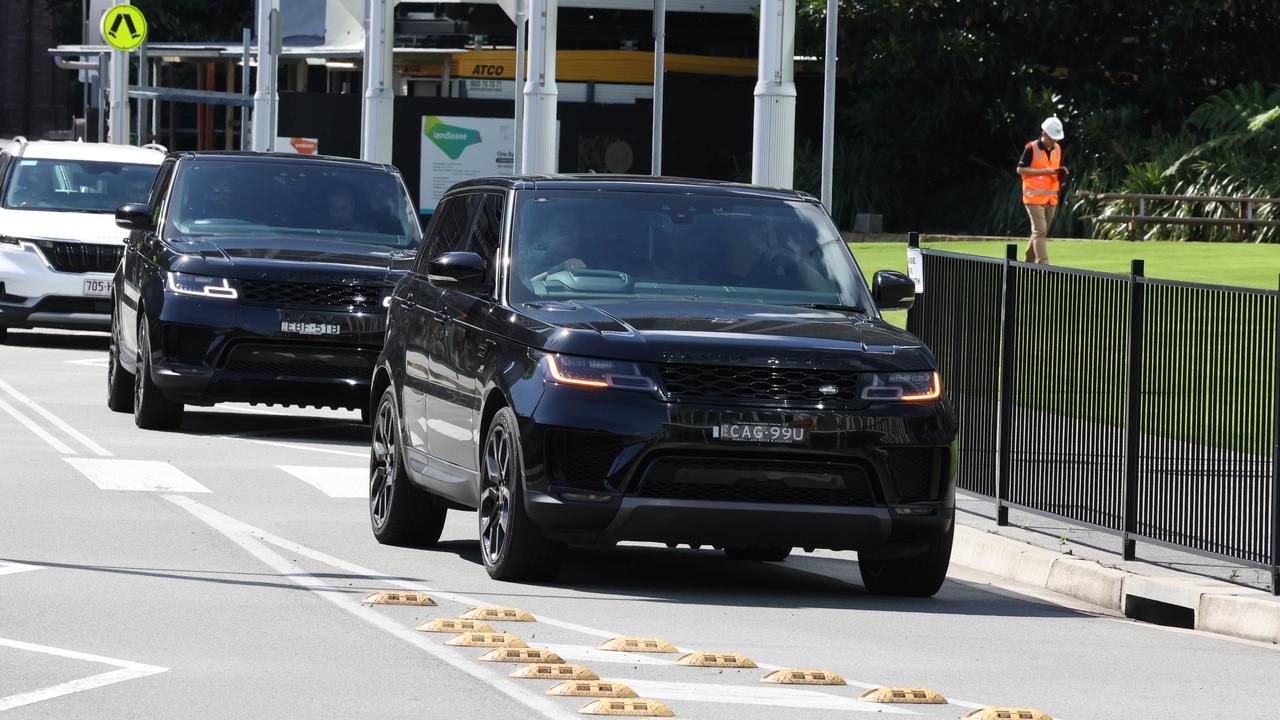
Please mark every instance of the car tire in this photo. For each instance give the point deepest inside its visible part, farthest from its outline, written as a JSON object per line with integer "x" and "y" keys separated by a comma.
{"x": 151, "y": 409}
{"x": 512, "y": 547}
{"x": 119, "y": 381}
{"x": 400, "y": 513}
{"x": 758, "y": 553}
{"x": 918, "y": 575}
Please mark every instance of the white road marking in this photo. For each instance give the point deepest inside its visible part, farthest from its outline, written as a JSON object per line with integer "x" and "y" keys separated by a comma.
{"x": 128, "y": 671}
{"x": 91, "y": 362}
{"x": 227, "y": 524}
{"x": 58, "y": 422}
{"x": 332, "y": 481}
{"x": 753, "y": 695}
{"x": 11, "y": 568}
{"x": 141, "y": 475}
{"x": 39, "y": 432}
{"x": 251, "y": 542}
{"x": 297, "y": 446}
{"x": 583, "y": 654}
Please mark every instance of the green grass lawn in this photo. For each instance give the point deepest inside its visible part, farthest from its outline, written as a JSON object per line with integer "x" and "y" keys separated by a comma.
{"x": 1216, "y": 263}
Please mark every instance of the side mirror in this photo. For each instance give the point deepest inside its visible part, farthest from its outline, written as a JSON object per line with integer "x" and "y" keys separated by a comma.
{"x": 456, "y": 271}
{"x": 134, "y": 216}
{"x": 893, "y": 291}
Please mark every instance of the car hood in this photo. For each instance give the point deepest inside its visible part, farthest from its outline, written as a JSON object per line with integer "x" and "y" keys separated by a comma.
{"x": 725, "y": 333}
{"x": 46, "y": 225}
{"x": 286, "y": 259}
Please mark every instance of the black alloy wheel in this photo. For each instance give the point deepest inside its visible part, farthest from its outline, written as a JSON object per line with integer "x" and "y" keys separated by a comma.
{"x": 399, "y": 512}
{"x": 119, "y": 382}
{"x": 511, "y": 545}
{"x": 151, "y": 409}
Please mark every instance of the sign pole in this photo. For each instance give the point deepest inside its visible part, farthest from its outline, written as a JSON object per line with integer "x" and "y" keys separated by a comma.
{"x": 117, "y": 91}
{"x": 659, "y": 76}
{"x": 773, "y": 136}
{"x": 522, "y": 18}
{"x": 377, "y": 117}
{"x": 540, "y": 93}
{"x": 264, "y": 96}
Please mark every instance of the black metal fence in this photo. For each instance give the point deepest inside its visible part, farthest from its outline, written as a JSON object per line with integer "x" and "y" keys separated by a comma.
{"x": 1145, "y": 407}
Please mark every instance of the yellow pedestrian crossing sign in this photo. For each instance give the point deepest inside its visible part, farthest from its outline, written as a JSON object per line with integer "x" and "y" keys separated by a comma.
{"x": 124, "y": 27}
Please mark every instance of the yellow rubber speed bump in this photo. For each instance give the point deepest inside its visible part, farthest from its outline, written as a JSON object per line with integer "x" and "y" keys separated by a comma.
{"x": 390, "y": 597}
{"x": 592, "y": 688}
{"x": 905, "y": 696}
{"x": 1004, "y": 713}
{"x": 634, "y": 644}
{"x": 558, "y": 671}
{"x": 454, "y": 625}
{"x": 712, "y": 659}
{"x": 498, "y": 614}
{"x": 480, "y": 639}
{"x": 632, "y": 707}
{"x": 521, "y": 655}
{"x": 789, "y": 676}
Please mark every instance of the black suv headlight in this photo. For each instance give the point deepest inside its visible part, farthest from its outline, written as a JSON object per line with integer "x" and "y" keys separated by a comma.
{"x": 203, "y": 286}
{"x": 902, "y": 387}
{"x": 597, "y": 373}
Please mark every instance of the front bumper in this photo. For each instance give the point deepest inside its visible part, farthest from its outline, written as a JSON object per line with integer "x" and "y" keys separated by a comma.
{"x": 214, "y": 351}
{"x": 36, "y": 295}
{"x": 604, "y": 466}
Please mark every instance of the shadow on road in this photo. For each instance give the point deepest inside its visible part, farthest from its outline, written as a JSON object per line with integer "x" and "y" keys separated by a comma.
{"x": 708, "y": 577}
{"x": 331, "y": 431}
{"x": 58, "y": 341}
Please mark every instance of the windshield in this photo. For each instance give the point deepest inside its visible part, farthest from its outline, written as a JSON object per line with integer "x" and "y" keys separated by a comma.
{"x": 313, "y": 201}
{"x": 77, "y": 185}
{"x": 650, "y": 245}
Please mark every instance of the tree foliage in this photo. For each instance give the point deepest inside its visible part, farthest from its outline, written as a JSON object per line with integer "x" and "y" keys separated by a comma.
{"x": 954, "y": 88}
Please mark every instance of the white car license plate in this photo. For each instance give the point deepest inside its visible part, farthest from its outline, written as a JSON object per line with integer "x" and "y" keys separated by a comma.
{"x": 310, "y": 328}
{"x": 759, "y": 432}
{"x": 95, "y": 287}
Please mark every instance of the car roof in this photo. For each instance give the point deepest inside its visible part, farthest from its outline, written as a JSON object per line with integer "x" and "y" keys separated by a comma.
{"x": 73, "y": 150}
{"x": 247, "y": 156}
{"x": 634, "y": 183}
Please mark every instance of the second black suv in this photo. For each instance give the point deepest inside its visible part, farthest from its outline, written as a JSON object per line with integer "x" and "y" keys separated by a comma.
{"x": 255, "y": 277}
{"x": 591, "y": 359}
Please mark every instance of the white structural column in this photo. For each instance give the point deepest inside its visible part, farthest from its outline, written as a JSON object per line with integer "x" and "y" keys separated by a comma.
{"x": 659, "y": 78}
{"x": 773, "y": 142}
{"x": 540, "y": 93}
{"x": 377, "y": 112}
{"x": 118, "y": 96}
{"x": 522, "y": 30}
{"x": 829, "y": 104}
{"x": 266, "y": 96}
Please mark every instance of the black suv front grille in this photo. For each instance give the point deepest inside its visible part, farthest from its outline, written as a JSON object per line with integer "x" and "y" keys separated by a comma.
{"x": 726, "y": 382}
{"x": 757, "y": 481}
{"x": 292, "y": 294}
{"x": 296, "y": 362}
{"x": 75, "y": 257}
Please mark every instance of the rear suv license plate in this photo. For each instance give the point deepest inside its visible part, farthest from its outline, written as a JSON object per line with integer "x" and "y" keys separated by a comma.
{"x": 310, "y": 328}
{"x": 759, "y": 432}
{"x": 95, "y": 287}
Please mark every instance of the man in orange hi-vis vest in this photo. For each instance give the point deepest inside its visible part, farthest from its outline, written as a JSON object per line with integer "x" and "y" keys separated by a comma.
{"x": 1042, "y": 173}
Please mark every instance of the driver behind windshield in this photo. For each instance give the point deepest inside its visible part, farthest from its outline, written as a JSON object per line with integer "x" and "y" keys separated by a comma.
{"x": 343, "y": 211}
{"x": 556, "y": 248}
{"x": 750, "y": 260}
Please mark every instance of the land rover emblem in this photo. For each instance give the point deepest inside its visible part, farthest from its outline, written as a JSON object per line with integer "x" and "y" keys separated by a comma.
{"x": 828, "y": 389}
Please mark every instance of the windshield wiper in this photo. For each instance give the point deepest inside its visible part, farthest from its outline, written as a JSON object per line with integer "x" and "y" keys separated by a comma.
{"x": 834, "y": 306}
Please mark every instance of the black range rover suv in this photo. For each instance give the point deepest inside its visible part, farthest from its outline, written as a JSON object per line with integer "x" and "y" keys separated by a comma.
{"x": 256, "y": 277}
{"x": 591, "y": 359}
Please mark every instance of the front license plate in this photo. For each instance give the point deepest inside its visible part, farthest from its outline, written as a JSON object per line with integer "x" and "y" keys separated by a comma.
{"x": 759, "y": 432}
{"x": 309, "y": 328}
{"x": 95, "y": 287}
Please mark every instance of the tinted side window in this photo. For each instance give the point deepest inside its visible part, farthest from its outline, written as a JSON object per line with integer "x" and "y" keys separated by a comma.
{"x": 486, "y": 234}
{"x": 448, "y": 229}
{"x": 158, "y": 188}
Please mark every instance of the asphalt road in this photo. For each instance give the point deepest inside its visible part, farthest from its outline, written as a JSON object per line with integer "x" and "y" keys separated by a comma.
{"x": 219, "y": 571}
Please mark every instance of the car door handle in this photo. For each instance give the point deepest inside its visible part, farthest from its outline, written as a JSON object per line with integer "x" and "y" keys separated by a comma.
{"x": 443, "y": 317}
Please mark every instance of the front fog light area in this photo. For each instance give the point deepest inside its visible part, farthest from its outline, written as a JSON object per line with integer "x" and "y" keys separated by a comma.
{"x": 202, "y": 286}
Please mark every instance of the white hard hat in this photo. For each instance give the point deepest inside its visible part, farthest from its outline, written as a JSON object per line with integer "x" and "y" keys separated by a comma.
{"x": 1053, "y": 128}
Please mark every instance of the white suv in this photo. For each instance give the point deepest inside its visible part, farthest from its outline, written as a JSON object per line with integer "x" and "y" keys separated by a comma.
{"x": 59, "y": 244}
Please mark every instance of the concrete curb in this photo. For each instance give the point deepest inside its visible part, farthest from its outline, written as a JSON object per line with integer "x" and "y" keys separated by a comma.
{"x": 1217, "y": 607}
